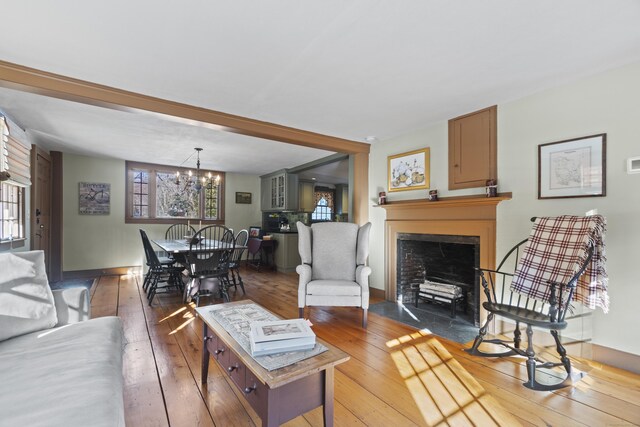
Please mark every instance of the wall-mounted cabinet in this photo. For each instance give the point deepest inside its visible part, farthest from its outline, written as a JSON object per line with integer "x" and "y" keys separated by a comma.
{"x": 473, "y": 149}
{"x": 306, "y": 198}
{"x": 279, "y": 191}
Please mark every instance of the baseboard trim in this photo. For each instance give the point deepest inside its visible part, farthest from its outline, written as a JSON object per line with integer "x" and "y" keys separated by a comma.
{"x": 376, "y": 293}
{"x": 617, "y": 358}
{"x": 112, "y": 271}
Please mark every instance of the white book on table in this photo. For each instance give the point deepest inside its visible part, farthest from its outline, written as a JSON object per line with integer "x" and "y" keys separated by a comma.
{"x": 280, "y": 336}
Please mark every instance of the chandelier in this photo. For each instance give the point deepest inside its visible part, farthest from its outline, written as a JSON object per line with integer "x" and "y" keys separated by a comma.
{"x": 197, "y": 182}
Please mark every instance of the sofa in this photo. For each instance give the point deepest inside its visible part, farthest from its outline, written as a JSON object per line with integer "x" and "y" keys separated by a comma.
{"x": 58, "y": 367}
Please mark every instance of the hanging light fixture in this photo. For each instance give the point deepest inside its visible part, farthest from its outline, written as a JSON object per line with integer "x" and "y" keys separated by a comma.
{"x": 197, "y": 182}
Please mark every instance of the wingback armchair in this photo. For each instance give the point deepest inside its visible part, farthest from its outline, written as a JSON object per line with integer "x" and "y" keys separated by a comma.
{"x": 333, "y": 270}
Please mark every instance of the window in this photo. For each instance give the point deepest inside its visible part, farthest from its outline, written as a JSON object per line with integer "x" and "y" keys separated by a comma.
{"x": 324, "y": 205}
{"x": 15, "y": 176}
{"x": 156, "y": 194}
{"x": 11, "y": 212}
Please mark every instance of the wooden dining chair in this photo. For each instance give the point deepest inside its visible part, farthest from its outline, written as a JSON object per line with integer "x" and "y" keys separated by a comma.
{"x": 234, "y": 265}
{"x": 179, "y": 231}
{"x": 160, "y": 270}
{"x": 210, "y": 252}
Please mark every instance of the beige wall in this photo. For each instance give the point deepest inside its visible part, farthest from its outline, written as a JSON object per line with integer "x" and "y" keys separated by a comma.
{"x": 104, "y": 241}
{"x": 606, "y": 103}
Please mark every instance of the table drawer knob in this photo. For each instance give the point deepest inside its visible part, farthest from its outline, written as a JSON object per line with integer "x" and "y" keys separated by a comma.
{"x": 232, "y": 368}
{"x": 219, "y": 351}
{"x": 248, "y": 390}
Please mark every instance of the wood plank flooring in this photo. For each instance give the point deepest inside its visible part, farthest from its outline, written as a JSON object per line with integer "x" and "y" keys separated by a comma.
{"x": 397, "y": 376}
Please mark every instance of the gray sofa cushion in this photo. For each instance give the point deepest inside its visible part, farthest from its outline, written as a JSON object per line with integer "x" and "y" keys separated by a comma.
{"x": 334, "y": 251}
{"x": 26, "y": 301}
{"x": 66, "y": 376}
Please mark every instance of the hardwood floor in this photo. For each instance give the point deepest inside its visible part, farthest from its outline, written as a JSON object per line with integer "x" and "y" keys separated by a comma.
{"x": 397, "y": 376}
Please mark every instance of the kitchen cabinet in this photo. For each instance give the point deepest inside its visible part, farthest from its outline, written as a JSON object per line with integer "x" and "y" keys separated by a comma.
{"x": 306, "y": 196}
{"x": 287, "y": 257}
{"x": 279, "y": 191}
{"x": 472, "y": 149}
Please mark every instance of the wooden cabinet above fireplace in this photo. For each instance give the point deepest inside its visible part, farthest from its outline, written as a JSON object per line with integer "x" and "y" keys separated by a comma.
{"x": 473, "y": 149}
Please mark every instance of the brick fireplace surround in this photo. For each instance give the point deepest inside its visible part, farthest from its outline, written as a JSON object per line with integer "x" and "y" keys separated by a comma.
{"x": 454, "y": 216}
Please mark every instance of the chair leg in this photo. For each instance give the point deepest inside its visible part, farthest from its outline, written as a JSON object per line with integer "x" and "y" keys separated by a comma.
{"x": 240, "y": 282}
{"x": 531, "y": 361}
{"x": 562, "y": 352}
{"x": 364, "y": 318}
{"x": 516, "y": 335}
{"x": 480, "y": 338}
{"x": 301, "y": 312}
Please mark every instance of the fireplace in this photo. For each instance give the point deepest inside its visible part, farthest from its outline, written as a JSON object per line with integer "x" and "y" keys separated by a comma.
{"x": 467, "y": 220}
{"x": 442, "y": 259}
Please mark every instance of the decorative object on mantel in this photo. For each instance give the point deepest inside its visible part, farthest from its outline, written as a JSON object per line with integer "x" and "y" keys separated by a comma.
{"x": 198, "y": 181}
{"x": 409, "y": 171}
{"x": 382, "y": 198}
{"x": 492, "y": 188}
{"x": 433, "y": 196}
{"x": 572, "y": 168}
{"x": 95, "y": 198}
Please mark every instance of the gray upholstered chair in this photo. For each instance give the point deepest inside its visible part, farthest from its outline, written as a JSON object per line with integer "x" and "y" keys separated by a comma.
{"x": 333, "y": 270}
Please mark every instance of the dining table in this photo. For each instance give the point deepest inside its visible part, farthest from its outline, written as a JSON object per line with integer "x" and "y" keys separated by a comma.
{"x": 179, "y": 248}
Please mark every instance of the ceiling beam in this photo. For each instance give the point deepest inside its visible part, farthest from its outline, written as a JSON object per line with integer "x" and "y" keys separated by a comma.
{"x": 31, "y": 80}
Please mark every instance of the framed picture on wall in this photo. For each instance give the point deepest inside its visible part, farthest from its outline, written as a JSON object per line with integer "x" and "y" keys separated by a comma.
{"x": 95, "y": 198}
{"x": 255, "y": 232}
{"x": 243, "y": 198}
{"x": 572, "y": 168}
{"x": 409, "y": 171}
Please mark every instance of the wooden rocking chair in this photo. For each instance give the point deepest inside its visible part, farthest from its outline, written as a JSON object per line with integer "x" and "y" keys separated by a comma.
{"x": 502, "y": 301}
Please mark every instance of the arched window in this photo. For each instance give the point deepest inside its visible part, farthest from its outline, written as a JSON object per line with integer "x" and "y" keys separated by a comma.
{"x": 324, "y": 205}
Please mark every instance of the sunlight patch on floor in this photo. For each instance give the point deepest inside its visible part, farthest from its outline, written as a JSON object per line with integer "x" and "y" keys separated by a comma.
{"x": 175, "y": 313}
{"x": 442, "y": 389}
{"x": 185, "y": 323}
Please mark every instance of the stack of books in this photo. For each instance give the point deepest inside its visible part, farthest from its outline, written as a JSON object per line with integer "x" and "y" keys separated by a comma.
{"x": 280, "y": 336}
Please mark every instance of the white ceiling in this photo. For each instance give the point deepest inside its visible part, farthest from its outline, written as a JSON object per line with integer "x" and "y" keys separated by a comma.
{"x": 339, "y": 67}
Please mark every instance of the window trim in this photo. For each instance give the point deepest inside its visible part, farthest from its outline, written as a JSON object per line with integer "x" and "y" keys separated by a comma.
{"x": 20, "y": 241}
{"x": 129, "y": 219}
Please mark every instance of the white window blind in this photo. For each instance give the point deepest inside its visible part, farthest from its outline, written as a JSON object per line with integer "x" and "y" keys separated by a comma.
{"x": 15, "y": 154}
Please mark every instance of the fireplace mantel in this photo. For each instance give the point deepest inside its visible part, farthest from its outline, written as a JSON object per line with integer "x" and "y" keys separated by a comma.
{"x": 461, "y": 216}
{"x": 457, "y": 207}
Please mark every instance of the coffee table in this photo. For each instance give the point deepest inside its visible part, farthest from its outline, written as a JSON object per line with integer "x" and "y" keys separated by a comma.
{"x": 280, "y": 395}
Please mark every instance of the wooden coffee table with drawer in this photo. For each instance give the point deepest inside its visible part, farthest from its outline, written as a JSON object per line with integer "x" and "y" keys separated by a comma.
{"x": 280, "y": 395}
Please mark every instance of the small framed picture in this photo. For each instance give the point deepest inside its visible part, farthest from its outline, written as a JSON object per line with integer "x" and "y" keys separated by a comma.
{"x": 409, "y": 171}
{"x": 572, "y": 168}
{"x": 243, "y": 198}
{"x": 95, "y": 198}
{"x": 254, "y": 232}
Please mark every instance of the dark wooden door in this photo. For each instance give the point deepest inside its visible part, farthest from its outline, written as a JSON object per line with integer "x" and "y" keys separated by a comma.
{"x": 41, "y": 202}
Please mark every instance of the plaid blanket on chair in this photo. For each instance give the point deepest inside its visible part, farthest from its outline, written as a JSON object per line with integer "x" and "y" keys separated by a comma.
{"x": 556, "y": 250}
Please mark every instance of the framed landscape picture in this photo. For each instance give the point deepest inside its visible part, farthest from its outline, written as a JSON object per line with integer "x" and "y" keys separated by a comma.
{"x": 409, "y": 171}
{"x": 243, "y": 198}
{"x": 572, "y": 168}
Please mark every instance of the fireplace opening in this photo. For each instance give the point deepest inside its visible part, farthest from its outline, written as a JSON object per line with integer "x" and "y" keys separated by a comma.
{"x": 442, "y": 259}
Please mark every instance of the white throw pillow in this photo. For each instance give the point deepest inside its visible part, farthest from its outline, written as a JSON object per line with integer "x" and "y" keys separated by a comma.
{"x": 26, "y": 301}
